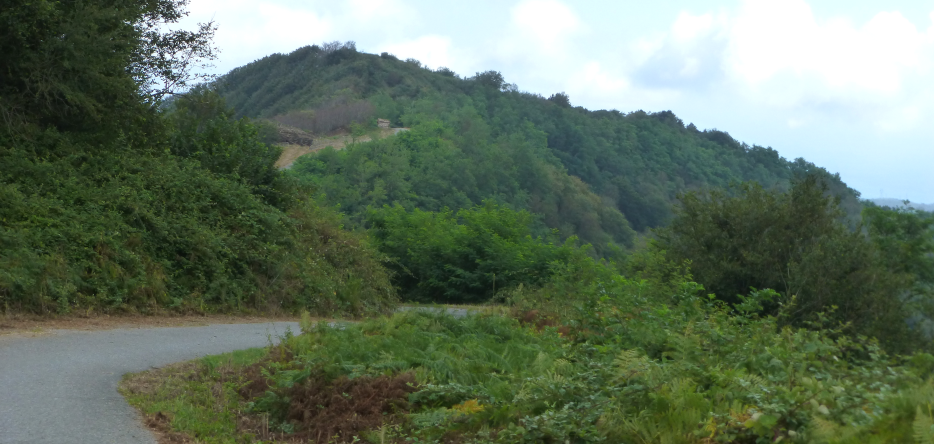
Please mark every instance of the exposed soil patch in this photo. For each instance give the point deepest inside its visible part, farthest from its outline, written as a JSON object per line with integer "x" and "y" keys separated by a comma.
{"x": 32, "y": 325}
{"x": 540, "y": 321}
{"x": 323, "y": 411}
{"x": 161, "y": 426}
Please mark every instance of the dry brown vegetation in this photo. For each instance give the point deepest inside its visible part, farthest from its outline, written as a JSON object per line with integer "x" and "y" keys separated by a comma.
{"x": 322, "y": 409}
{"x": 328, "y": 118}
{"x": 326, "y": 411}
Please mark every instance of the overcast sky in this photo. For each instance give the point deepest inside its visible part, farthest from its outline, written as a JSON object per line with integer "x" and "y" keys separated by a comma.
{"x": 847, "y": 85}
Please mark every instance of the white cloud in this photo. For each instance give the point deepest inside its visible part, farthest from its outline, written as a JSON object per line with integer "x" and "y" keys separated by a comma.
{"x": 771, "y": 38}
{"x": 539, "y": 34}
{"x": 249, "y": 30}
{"x": 432, "y": 50}
{"x": 777, "y": 53}
{"x": 382, "y": 17}
{"x": 548, "y": 23}
{"x": 688, "y": 27}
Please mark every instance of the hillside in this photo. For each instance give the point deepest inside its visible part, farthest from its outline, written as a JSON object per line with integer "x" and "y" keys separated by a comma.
{"x": 518, "y": 148}
{"x": 112, "y": 200}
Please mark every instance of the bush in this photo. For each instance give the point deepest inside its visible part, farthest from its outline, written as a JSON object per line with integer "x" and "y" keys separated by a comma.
{"x": 113, "y": 200}
{"x": 122, "y": 230}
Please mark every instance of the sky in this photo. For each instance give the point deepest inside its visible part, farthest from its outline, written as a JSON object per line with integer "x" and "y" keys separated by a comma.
{"x": 847, "y": 85}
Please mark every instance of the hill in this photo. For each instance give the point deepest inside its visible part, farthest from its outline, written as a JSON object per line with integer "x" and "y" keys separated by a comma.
{"x": 600, "y": 175}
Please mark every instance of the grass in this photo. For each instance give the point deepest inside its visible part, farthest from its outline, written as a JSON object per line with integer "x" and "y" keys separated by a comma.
{"x": 475, "y": 360}
{"x": 193, "y": 399}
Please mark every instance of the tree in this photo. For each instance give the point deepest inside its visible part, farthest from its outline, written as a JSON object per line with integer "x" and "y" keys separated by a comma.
{"x": 492, "y": 79}
{"x": 203, "y": 128}
{"x": 794, "y": 242}
{"x": 465, "y": 257}
{"x": 905, "y": 239}
{"x": 81, "y": 66}
{"x": 561, "y": 99}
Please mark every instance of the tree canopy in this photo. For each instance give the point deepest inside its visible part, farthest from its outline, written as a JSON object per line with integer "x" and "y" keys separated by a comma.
{"x": 797, "y": 243}
{"x": 594, "y": 174}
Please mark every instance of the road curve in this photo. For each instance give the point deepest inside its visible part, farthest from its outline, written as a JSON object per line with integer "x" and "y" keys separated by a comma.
{"x": 62, "y": 388}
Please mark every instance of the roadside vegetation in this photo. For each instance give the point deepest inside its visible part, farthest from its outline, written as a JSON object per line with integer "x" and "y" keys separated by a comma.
{"x": 115, "y": 199}
{"x": 638, "y": 351}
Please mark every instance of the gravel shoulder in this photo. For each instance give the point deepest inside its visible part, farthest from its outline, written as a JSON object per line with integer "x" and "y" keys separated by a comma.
{"x": 60, "y": 386}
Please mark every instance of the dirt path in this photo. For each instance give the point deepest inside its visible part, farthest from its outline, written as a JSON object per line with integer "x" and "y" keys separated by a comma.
{"x": 292, "y": 152}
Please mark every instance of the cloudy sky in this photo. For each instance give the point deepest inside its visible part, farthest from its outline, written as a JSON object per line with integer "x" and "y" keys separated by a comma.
{"x": 847, "y": 85}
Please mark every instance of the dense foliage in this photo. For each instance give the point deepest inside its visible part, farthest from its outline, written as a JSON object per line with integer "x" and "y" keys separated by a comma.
{"x": 599, "y": 358}
{"x": 432, "y": 167}
{"x": 110, "y": 201}
{"x": 465, "y": 257}
{"x": 594, "y": 174}
{"x": 797, "y": 243}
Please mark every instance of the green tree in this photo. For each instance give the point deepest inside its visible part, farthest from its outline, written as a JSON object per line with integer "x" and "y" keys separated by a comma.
{"x": 905, "y": 239}
{"x": 794, "y": 242}
{"x": 203, "y": 128}
{"x": 88, "y": 65}
{"x": 465, "y": 257}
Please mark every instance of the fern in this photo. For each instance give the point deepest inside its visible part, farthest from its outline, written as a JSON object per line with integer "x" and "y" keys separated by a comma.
{"x": 923, "y": 426}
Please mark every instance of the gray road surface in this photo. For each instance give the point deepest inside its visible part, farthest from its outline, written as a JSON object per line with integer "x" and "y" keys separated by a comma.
{"x": 62, "y": 388}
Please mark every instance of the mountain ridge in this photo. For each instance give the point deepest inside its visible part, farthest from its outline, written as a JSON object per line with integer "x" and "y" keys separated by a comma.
{"x": 634, "y": 164}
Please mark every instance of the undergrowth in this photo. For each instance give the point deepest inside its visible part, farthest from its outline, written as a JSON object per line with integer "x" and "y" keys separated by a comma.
{"x": 615, "y": 362}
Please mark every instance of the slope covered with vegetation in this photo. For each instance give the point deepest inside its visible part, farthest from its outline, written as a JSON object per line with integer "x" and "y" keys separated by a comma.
{"x": 595, "y": 174}
{"x": 591, "y": 357}
{"x": 111, "y": 201}
{"x": 766, "y": 307}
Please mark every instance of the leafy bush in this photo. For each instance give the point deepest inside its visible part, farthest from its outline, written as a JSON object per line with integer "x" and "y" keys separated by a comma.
{"x": 123, "y": 230}
{"x": 202, "y": 128}
{"x": 465, "y": 257}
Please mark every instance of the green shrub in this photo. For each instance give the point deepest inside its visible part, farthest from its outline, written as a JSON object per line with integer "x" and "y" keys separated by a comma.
{"x": 110, "y": 202}
{"x": 116, "y": 230}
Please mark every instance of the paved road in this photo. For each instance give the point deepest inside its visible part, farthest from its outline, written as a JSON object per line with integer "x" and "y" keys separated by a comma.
{"x": 62, "y": 388}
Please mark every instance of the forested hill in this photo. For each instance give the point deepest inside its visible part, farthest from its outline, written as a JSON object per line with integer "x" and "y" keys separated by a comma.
{"x": 479, "y": 137}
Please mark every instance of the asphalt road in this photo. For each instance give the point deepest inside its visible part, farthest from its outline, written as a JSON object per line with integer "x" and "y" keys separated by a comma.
{"x": 61, "y": 388}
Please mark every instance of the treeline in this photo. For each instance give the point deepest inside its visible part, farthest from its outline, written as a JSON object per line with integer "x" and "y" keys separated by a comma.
{"x": 113, "y": 199}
